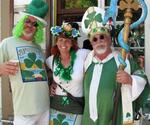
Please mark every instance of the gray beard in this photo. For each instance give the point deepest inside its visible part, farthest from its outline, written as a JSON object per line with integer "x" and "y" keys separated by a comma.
{"x": 27, "y": 34}
{"x": 100, "y": 50}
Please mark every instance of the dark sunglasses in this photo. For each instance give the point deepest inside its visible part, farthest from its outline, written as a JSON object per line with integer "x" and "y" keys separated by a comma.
{"x": 101, "y": 37}
{"x": 28, "y": 21}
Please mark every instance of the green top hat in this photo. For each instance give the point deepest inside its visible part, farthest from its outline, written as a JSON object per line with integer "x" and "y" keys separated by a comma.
{"x": 37, "y": 9}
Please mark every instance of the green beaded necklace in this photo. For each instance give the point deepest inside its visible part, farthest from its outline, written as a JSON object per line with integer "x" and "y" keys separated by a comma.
{"x": 65, "y": 73}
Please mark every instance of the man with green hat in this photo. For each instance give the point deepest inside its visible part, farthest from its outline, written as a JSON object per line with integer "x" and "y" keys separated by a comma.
{"x": 22, "y": 59}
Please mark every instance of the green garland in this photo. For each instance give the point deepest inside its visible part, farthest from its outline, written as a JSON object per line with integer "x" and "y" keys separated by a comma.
{"x": 65, "y": 73}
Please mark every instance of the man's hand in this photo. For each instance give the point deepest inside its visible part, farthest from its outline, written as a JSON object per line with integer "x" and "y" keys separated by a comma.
{"x": 8, "y": 68}
{"x": 123, "y": 77}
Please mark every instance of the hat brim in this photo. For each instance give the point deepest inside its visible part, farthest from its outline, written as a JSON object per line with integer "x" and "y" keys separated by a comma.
{"x": 38, "y": 18}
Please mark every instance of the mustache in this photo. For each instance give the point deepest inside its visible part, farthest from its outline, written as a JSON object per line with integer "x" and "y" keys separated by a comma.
{"x": 100, "y": 46}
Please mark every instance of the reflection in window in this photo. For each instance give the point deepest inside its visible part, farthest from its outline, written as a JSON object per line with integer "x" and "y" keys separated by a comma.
{"x": 71, "y": 4}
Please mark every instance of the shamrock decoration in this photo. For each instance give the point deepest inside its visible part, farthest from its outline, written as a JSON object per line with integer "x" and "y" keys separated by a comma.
{"x": 60, "y": 120}
{"x": 65, "y": 101}
{"x": 128, "y": 115}
{"x": 32, "y": 61}
{"x": 91, "y": 17}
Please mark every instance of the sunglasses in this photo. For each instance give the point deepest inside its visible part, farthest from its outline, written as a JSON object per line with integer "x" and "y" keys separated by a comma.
{"x": 28, "y": 21}
{"x": 100, "y": 37}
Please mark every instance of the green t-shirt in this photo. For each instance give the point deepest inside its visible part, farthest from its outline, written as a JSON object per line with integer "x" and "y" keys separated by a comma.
{"x": 29, "y": 86}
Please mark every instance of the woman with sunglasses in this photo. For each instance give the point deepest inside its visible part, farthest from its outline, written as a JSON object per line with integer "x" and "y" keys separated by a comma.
{"x": 66, "y": 64}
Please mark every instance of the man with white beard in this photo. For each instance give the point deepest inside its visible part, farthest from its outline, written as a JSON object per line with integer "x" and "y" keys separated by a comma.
{"x": 102, "y": 76}
{"x": 22, "y": 59}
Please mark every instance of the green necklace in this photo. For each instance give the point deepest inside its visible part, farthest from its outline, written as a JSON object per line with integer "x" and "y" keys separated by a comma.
{"x": 65, "y": 73}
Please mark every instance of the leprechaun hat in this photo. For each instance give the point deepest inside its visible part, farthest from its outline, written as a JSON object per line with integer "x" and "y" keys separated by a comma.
{"x": 37, "y": 9}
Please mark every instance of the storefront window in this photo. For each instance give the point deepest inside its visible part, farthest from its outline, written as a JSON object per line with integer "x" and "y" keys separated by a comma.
{"x": 72, "y": 4}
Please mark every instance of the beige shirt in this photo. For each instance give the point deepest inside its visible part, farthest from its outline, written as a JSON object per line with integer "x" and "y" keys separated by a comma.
{"x": 29, "y": 86}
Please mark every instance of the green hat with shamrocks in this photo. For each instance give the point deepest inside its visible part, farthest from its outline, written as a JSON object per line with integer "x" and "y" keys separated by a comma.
{"x": 92, "y": 22}
{"x": 37, "y": 9}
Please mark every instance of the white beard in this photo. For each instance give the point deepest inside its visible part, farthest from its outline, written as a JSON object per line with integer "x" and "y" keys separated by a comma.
{"x": 27, "y": 34}
{"x": 100, "y": 50}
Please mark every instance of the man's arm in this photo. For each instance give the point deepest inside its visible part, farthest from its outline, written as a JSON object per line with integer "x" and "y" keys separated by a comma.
{"x": 8, "y": 68}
